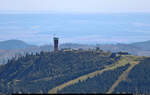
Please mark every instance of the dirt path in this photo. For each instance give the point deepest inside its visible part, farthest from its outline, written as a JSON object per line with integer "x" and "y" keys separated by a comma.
{"x": 90, "y": 75}
{"x": 132, "y": 60}
{"x": 122, "y": 77}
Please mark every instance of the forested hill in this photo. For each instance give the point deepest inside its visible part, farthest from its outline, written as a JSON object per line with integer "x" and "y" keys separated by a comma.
{"x": 53, "y": 72}
{"x": 41, "y": 72}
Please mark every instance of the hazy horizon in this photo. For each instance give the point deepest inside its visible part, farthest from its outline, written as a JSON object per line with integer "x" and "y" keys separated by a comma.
{"x": 75, "y": 21}
{"x": 76, "y": 28}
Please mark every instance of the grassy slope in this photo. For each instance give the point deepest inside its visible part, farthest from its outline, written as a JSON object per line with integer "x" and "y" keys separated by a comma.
{"x": 137, "y": 80}
{"x": 121, "y": 78}
{"x": 122, "y": 62}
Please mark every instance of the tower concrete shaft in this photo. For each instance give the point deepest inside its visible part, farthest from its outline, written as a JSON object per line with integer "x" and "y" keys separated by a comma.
{"x": 56, "y": 41}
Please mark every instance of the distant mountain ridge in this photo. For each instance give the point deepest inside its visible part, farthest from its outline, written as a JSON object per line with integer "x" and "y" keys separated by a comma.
{"x": 13, "y": 44}
{"x": 11, "y": 48}
{"x": 18, "y": 44}
{"x": 143, "y": 45}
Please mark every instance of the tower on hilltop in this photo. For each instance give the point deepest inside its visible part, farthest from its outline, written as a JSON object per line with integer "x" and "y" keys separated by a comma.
{"x": 56, "y": 41}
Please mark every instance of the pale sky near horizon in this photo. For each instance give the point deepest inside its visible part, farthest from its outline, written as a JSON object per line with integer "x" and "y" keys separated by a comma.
{"x": 75, "y": 6}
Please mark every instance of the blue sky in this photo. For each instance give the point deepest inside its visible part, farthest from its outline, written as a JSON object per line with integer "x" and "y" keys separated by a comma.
{"x": 76, "y": 6}
{"x": 77, "y": 21}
